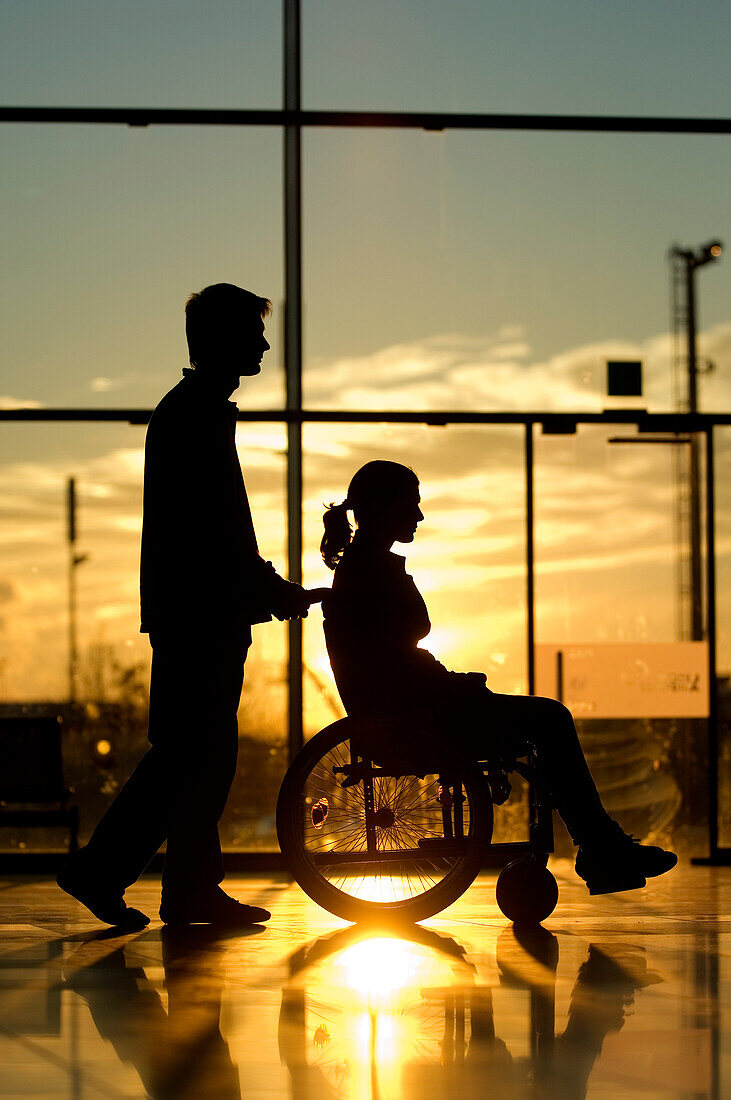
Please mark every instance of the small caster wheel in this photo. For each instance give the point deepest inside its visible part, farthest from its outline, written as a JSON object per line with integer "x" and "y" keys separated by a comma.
{"x": 526, "y": 892}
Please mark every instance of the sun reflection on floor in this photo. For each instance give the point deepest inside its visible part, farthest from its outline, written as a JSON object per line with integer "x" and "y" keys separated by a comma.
{"x": 376, "y": 969}
{"x": 371, "y": 1011}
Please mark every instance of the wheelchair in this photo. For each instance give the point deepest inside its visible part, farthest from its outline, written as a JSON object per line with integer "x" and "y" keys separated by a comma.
{"x": 381, "y": 824}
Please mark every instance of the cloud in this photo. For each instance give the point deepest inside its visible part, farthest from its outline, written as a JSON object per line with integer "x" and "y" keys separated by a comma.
{"x": 141, "y": 380}
{"x": 10, "y": 403}
{"x": 606, "y": 543}
{"x": 494, "y": 373}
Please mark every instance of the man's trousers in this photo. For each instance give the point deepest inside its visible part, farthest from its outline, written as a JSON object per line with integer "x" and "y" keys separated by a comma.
{"x": 178, "y": 791}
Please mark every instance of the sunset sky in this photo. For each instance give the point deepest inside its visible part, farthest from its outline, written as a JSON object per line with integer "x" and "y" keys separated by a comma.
{"x": 456, "y": 270}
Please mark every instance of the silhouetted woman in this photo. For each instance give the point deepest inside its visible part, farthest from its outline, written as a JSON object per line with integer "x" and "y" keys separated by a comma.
{"x": 374, "y": 619}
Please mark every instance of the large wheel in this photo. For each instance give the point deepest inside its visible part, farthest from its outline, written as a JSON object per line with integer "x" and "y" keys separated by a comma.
{"x": 377, "y": 848}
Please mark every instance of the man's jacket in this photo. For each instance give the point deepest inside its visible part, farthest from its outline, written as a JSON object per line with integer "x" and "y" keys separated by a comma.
{"x": 200, "y": 572}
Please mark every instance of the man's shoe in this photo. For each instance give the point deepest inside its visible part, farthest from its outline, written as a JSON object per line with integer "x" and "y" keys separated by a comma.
{"x": 619, "y": 862}
{"x": 218, "y": 909}
{"x": 105, "y": 903}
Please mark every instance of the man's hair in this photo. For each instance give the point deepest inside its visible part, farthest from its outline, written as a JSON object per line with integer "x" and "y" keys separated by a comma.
{"x": 213, "y": 308}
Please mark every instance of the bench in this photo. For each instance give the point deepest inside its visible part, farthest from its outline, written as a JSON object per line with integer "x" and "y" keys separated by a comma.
{"x": 32, "y": 790}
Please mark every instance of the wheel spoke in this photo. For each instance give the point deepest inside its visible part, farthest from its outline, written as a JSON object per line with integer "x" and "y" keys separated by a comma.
{"x": 417, "y": 815}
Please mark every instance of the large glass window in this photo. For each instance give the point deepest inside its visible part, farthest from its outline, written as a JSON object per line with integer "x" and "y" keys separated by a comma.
{"x": 107, "y": 232}
{"x": 36, "y": 463}
{"x": 501, "y": 270}
{"x": 104, "y": 711}
{"x": 523, "y": 57}
{"x": 455, "y": 270}
{"x": 613, "y": 624}
{"x": 96, "y": 53}
{"x": 248, "y": 822}
{"x": 467, "y": 558}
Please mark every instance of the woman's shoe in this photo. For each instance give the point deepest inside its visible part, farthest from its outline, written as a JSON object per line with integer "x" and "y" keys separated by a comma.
{"x": 619, "y": 862}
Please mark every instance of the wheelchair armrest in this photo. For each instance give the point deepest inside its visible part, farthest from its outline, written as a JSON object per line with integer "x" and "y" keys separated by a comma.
{"x": 524, "y": 769}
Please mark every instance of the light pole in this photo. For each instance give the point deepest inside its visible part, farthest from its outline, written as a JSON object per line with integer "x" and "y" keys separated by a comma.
{"x": 689, "y": 260}
{"x": 75, "y": 560}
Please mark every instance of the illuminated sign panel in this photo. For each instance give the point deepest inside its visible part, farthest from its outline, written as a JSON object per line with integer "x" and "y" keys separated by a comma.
{"x": 626, "y": 681}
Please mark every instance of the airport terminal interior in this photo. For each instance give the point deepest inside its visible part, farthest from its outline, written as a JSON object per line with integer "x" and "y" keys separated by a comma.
{"x": 492, "y": 237}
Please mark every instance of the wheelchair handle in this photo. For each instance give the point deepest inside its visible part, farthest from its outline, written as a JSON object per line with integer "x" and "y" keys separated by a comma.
{"x": 316, "y": 595}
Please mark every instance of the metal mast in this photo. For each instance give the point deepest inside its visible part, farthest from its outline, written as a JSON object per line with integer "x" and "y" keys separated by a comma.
{"x": 684, "y": 263}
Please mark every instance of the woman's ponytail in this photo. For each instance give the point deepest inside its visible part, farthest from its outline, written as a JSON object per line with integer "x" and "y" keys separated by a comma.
{"x": 338, "y": 533}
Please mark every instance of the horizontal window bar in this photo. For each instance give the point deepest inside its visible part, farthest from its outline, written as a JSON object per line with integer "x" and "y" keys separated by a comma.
{"x": 420, "y": 120}
{"x": 553, "y": 423}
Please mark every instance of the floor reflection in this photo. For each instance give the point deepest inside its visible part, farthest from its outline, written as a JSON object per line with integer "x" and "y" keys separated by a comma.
{"x": 385, "y": 1015}
{"x": 603, "y": 992}
{"x": 178, "y": 1051}
{"x": 626, "y": 998}
{"x": 360, "y": 1005}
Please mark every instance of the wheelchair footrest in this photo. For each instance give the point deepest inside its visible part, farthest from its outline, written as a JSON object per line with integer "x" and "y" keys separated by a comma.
{"x": 437, "y": 845}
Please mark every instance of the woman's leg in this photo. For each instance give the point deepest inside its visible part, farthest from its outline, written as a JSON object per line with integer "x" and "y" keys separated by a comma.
{"x": 548, "y": 725}
{"x": 608, "y": 859}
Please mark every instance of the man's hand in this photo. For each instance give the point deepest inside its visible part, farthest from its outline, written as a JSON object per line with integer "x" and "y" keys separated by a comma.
{"x": 290, "y": 601}
{"x": 472, "y": 682}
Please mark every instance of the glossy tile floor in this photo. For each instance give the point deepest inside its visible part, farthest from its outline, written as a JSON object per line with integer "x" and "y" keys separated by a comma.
{"x": 622, "y": 996}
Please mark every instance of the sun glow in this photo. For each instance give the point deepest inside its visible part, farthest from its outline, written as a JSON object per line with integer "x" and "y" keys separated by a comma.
{"x": 382, "y": 888}
{"x": 377, "y": 969}
{"x": 443, "y": 642}
{"x": 375, "y": 1014}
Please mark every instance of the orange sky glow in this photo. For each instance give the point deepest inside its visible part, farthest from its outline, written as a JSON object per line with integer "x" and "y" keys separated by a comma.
{"x": 605, "y": 541}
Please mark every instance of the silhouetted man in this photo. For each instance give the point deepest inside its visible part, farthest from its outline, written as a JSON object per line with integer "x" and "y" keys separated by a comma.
{"x": 203, "y": 584}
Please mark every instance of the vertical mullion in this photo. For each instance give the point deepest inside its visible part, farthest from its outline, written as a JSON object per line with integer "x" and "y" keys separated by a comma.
{"x": 530, "y": 557}
{"x": 293, "y": 353}
{"x": 711, "y": 640}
